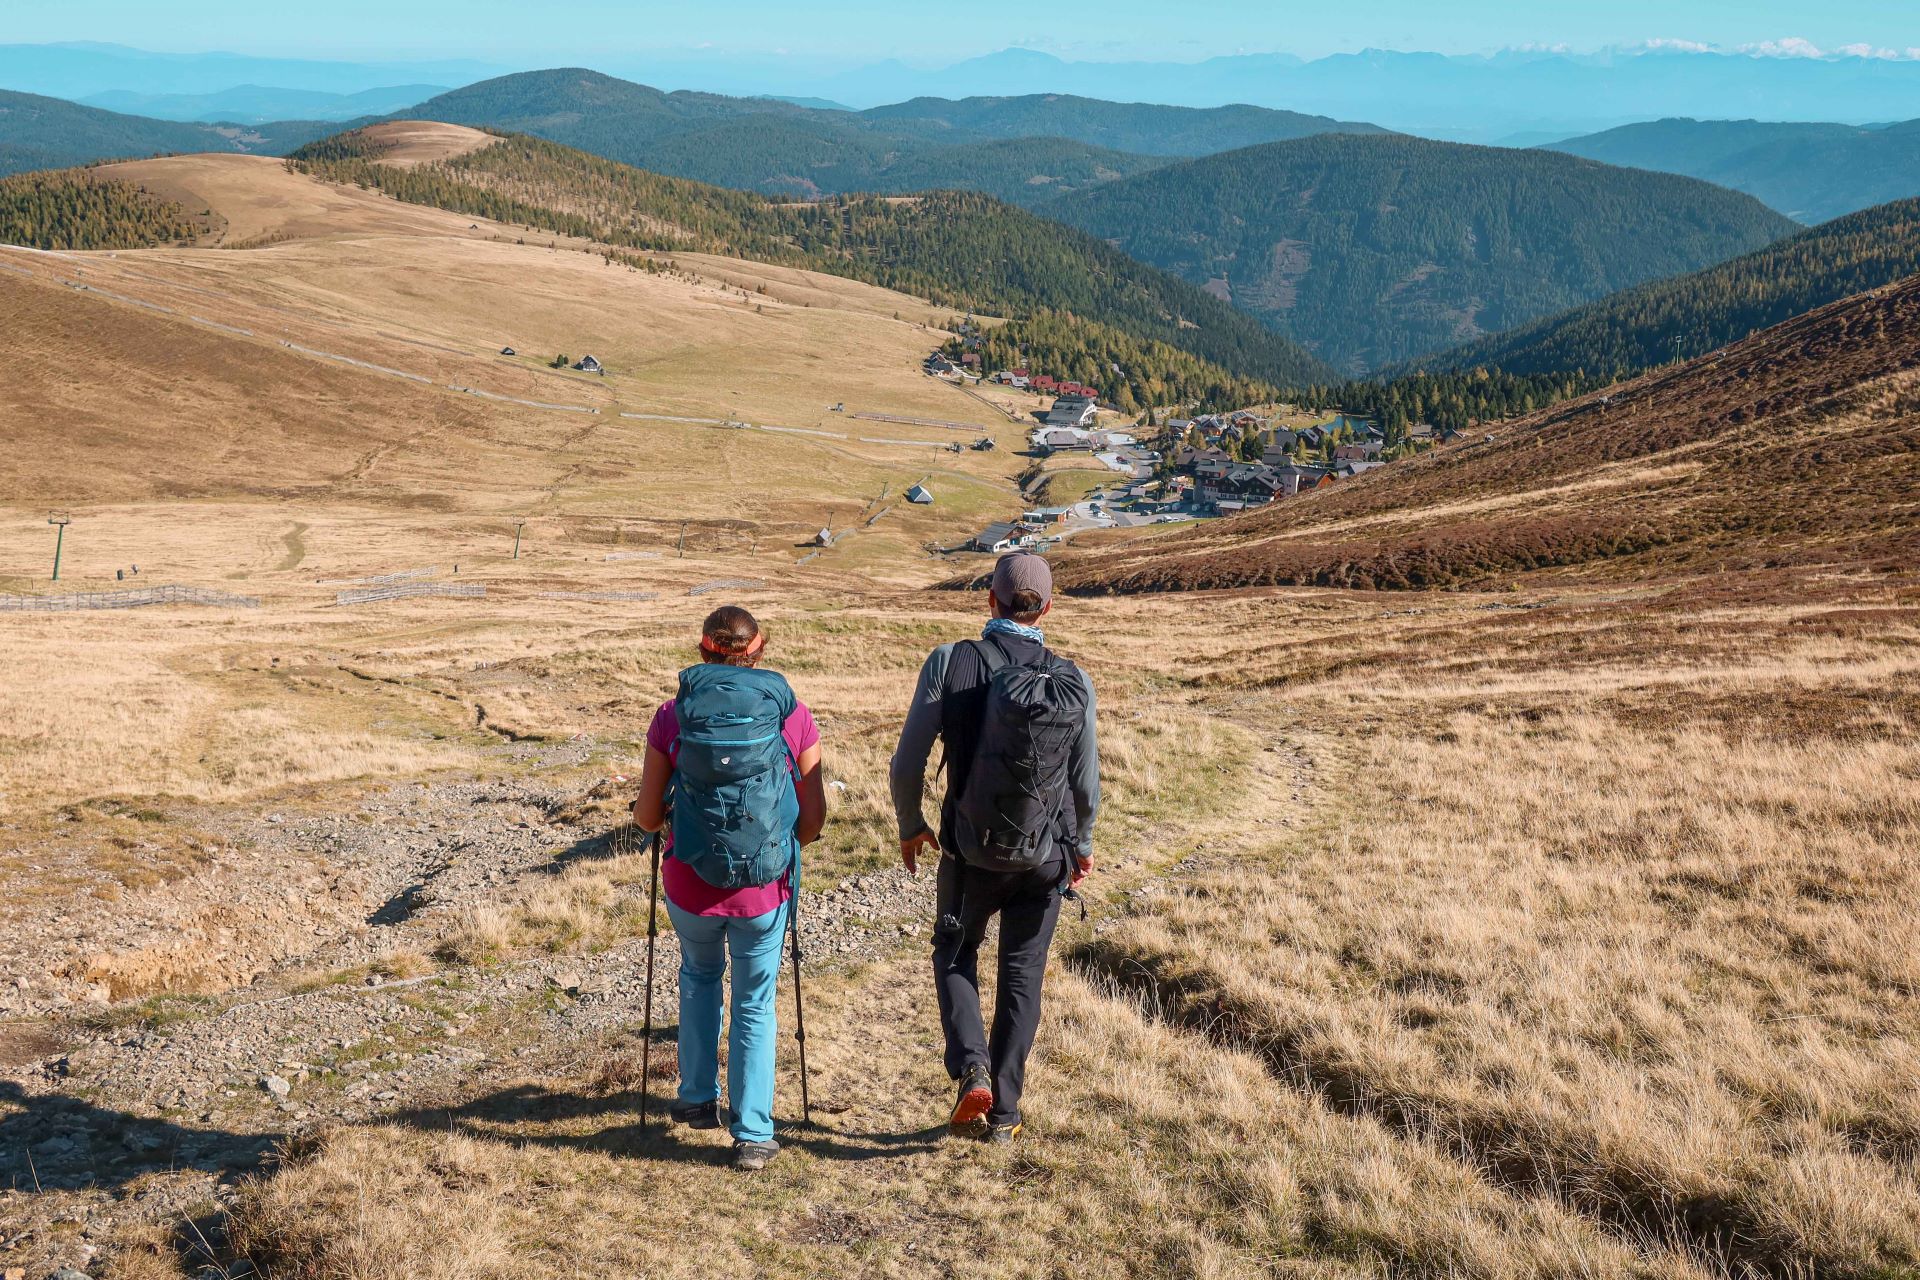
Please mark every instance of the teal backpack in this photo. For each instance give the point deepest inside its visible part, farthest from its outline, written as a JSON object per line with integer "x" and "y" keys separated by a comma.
{"x": 734, "y": 804}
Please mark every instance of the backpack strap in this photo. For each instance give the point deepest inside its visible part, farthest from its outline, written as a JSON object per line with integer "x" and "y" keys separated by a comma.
{"x": 991, "y": 654}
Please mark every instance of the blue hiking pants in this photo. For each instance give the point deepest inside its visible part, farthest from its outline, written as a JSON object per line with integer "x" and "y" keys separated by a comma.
{"x": 755, "y": 944}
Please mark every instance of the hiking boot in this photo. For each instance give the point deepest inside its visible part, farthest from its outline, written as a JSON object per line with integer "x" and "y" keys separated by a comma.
{"x": 973, "y": 1102}
{"x": 999, "y": 1134}
{"x": 751, "y": 1157}
{"x": 696, "y": 1115}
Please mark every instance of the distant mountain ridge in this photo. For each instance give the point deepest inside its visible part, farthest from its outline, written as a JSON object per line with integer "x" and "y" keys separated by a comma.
{"x": 50, "y": 133}
{"x": 1375, "y": 249}
{"x": 260, "y": 104}
{"x": 1481, "y": 98}
{"x": 81, "y": 69}
{"x": 763, "y": 144}
{"x": 782, "y": 148}
{"x": 1689, "y": 315}
{"x": 1811, "y": 172}
{"x": 1467, "y": 96}
{"x": 1147, "y": 128}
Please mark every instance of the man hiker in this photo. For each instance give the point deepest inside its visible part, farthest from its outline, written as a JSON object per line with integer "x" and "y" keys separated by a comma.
{"x": 1016, "y": 725}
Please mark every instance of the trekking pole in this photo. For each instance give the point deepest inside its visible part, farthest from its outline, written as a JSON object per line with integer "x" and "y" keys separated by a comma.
{"x": 653, "y": 931}
{"x": 799, "y": 1005}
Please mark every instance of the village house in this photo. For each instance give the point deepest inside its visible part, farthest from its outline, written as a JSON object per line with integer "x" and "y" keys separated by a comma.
{"x": 1252, "y": 482}
{"x": 1071, "y": 411}
{"x": 1209, "y": 471}
{"x": 1295, "y": 479}
{"x": 995, "y": 537}
{"x": 1059, "y": 440}
{"x": 1358, "y": 451}
{"x": 587, "y": 364}
{"x": 1186, "y": 457}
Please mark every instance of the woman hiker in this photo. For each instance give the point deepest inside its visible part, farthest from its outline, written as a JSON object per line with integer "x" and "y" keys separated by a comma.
{"x": 733, "y": 764}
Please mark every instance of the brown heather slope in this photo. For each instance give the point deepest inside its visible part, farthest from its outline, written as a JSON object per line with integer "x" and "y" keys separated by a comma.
{"x": 1798, "y": 447}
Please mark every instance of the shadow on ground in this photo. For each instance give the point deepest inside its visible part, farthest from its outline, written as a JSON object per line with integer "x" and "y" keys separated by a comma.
{"x": 59, "y": 1142}
{"x": 521, "y": 1114}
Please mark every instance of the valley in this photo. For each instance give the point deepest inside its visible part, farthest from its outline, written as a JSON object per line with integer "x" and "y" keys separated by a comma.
{"x": 1505, "y": 856}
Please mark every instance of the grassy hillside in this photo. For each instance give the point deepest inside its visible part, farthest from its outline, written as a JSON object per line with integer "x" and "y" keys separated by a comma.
{"x": 782, "y": 148}
{"x": 1809, "y": 171}
{"x": 41, "y": 133}
{"x": 961, "y": 249}
{"x": 1143, "y": 127}
{"x": 1372, "y": 250}
{"x": 1795, "y": 449}
{"x": 1689, "y": 315}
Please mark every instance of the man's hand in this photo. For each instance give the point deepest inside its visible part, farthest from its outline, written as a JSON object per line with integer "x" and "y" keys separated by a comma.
{"x": 1080, "y": 868}
{"x": 912, "y": 847}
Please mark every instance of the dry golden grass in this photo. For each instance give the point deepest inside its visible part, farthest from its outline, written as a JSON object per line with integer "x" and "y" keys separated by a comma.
{"x": 1659, "y": 973}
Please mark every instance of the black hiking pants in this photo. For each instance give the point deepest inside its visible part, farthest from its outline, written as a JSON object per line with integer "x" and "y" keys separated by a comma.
{"x": 1028, "y": 904}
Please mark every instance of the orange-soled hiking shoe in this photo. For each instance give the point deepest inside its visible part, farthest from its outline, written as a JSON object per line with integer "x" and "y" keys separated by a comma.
{"x": 975, "y": 1099}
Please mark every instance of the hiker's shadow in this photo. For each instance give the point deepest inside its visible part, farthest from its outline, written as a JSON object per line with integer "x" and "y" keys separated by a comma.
{"x": 57, "y": 1141}
{"x": 529, "y": 1113}
{"x": 602, "y": 846}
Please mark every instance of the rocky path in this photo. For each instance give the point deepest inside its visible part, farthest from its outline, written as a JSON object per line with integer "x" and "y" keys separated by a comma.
{"x": 117, "y": 1113}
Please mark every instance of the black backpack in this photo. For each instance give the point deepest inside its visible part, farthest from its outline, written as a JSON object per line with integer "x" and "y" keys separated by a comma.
{"x": 1017, "y": 785}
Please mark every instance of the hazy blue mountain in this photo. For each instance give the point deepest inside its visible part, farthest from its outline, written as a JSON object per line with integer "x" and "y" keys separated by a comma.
{"x": 49, "y": 133}
{"x": 1484, "y": 98}
{"x": 82, "y": 69}
{"x": 1810, "y": 172}
{"x": 1374, "y": 249}
{"x": 1022, "y": 151}
{"x": 1537, "y": 96}
{"x": 1145, "y": 128}
{"x": 256, "y": 104}
{"x": 801, "y": 100}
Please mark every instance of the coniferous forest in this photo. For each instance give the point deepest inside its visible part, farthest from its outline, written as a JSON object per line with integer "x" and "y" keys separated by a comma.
{"x": 75, "y": 209}
{"x": 1373, "y": 250}
{"x": 1690, "y": 315}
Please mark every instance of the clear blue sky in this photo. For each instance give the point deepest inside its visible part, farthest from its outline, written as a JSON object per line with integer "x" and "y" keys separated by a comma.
{"x": 850, "y": 32}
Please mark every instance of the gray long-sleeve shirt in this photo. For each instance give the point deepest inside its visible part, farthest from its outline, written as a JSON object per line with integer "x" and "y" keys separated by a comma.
{"x": 947, "y": 706}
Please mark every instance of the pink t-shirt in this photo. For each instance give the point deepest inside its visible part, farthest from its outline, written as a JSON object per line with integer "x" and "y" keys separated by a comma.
{"x": 685, "y": 889}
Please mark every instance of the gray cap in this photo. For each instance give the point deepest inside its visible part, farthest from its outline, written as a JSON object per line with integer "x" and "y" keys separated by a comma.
{"x": 1019, "y": 571}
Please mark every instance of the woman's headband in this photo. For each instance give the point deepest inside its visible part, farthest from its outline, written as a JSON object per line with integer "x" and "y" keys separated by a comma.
{"x": 754, "y": 646}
